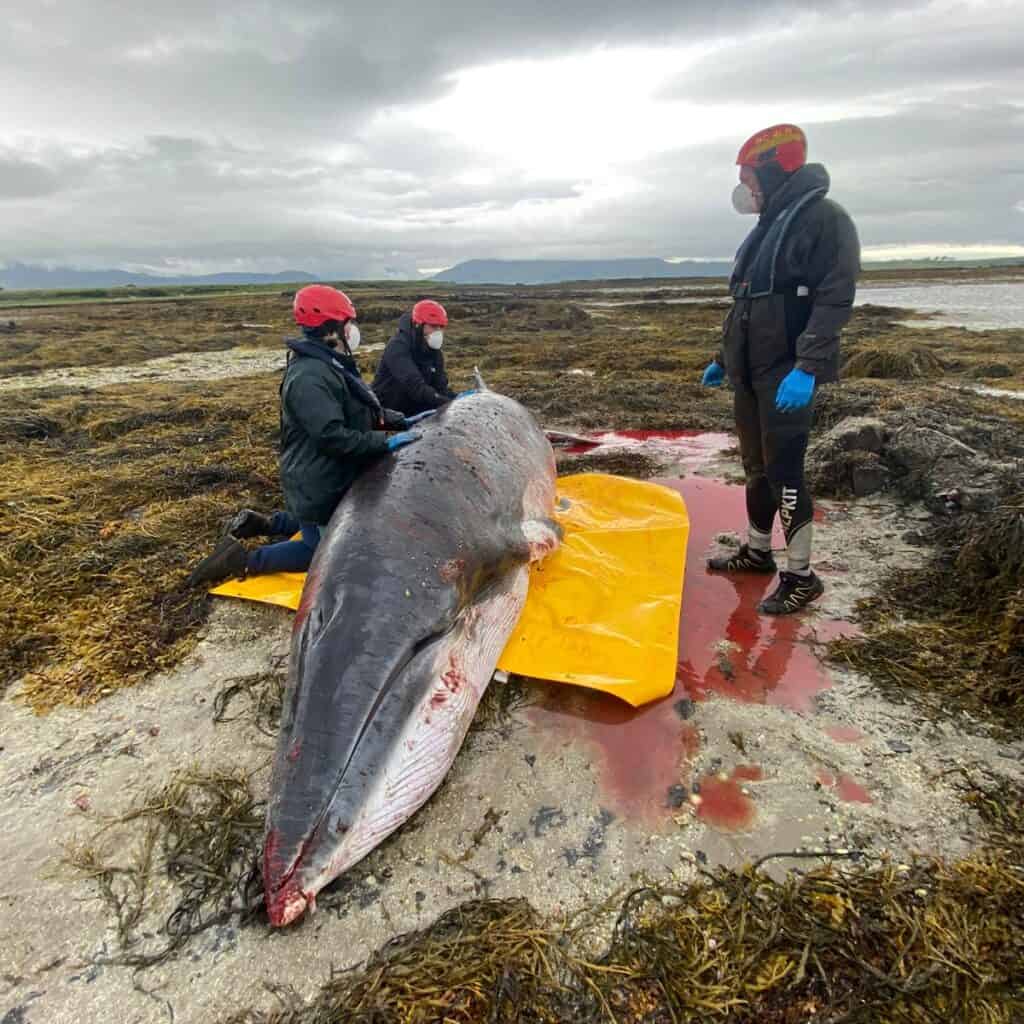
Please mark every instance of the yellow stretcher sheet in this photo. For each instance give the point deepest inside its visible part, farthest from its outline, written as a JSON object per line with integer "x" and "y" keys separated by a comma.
{"x": 603, "y": 610}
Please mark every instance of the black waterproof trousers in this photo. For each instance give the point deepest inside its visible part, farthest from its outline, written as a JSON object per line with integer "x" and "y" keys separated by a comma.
{"x": 772, "y": 446}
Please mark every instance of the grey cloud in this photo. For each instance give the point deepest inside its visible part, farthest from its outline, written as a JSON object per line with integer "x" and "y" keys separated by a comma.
{"x": 25, "y": 179}
{"x": 920, "y": 56}
{"x": 245, "y": 134}
{"x": 311, "y": 68}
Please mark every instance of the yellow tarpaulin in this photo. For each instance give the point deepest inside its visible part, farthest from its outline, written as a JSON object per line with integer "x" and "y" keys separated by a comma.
{"x": 603, "y": 610}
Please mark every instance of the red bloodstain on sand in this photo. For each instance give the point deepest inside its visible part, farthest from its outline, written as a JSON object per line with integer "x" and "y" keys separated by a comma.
{"x": 692, "y": 447}
{"x": 659, "y": 435}
{"x": 588, "y": 444}
{"x": 723, "y": 804}
{"x": 851, "y": 791}
{"x": 847, "y": 789}
{"x": 844, "y": 733}
{"x": 644, "y": 751}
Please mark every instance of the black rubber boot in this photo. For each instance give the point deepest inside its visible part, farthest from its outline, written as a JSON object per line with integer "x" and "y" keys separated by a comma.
{"x": 793, "y": 593}
{"x": 228, "y": 561}
{"x": 248, "y": 523}
{"x": 744, "y": 560}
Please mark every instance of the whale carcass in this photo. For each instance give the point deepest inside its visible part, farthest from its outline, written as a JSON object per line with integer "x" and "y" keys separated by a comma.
{"x": 416, "y": 585}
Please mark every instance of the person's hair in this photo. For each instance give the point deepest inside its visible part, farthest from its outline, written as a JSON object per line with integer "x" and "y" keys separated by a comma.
{"x": 322, "y": 330}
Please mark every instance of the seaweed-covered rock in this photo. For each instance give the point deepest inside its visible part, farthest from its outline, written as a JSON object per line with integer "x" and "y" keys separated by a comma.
{"x": 868, "y": 478}
{"x": 932, "y": 462}
{"x": 856, "y": 434}
{"x": 990, "y": 371}
{"x": 845, "y": 460}
{"x": 915, "y": 362}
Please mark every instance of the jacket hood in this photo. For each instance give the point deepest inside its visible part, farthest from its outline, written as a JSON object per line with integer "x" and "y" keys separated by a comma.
{"x": 412, "y": 335}
{"x": 808, "y": 178}
{"x": 309, "y": 346}
{"x": 405, "y": 326}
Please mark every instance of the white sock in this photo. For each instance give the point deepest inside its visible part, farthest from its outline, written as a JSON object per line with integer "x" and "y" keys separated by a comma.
{"x": 758, "y": 541}
{"x": 798, "y": 550}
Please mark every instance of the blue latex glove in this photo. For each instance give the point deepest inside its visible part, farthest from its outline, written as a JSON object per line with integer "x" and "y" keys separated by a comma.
{"x": 471, "y": 391}
{"x": 397, "y": 441}
{"x": 795, "y": 391}
{"x": 713, "y": 375}
{"x": 410, "y": 420}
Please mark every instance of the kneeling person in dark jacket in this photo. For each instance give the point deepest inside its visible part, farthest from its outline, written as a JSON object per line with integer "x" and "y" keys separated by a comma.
{"x": 332, "y": 427}
{"x": 793, "y": 285}
{"x": 411, "y": 376}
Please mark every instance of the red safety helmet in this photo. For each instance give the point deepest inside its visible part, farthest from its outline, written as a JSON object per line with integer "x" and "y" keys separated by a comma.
{"x": 784, "y": 144}
{"x": 427, "y": 311}
{"x": 317, "y": 303}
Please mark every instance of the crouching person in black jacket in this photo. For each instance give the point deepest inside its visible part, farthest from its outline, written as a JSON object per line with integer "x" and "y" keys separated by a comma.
{"x": 411, "y": 376}
{"x": 332, "y": 427}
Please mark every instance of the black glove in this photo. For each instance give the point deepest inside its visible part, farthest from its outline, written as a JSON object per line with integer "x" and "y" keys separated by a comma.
{"x": 393, "y": 420}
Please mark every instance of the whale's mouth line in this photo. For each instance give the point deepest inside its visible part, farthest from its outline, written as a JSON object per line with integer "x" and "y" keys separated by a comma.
{"x": 414, "y": 652}
{"x": 393, "y": 676}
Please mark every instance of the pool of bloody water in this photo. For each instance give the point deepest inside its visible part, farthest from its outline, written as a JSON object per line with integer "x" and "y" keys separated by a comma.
{"x": 693, "y": 447}
{"x": 576, "y": 443}
{"x": 725, "y": 647}
{"x": 720, "y": 799}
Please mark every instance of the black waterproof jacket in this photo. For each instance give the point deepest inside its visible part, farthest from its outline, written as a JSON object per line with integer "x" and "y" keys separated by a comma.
{"x": 793, "y": 285}
{"x": 411, "y": 376}
{"x": 328, "y": 435}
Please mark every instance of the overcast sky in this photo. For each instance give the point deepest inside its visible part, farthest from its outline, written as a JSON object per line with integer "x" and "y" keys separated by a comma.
{"x": 396, "y": 135}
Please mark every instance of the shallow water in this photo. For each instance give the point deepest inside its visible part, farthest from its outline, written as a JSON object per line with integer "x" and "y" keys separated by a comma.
{"x": 984, "y": 389}
{"x": 702, "y": 300}
{"x": 987, "y": 305}
{"x": 979, "y": 306}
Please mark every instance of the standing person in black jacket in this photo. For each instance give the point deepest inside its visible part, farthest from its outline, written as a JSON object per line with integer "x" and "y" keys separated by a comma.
{"x": 332, "y": 427}
{"x": 793, "y": 285}
{"x": 411, "y": 376}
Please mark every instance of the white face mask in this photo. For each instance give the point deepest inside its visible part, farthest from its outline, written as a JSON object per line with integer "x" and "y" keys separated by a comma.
{"x": 352, "y": 336}
{"x": 436, "y": 338}
{"x": 743, "y": 199}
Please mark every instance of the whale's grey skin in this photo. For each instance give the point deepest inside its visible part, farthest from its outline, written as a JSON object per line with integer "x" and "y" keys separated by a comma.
{"x": 412, "y": 594}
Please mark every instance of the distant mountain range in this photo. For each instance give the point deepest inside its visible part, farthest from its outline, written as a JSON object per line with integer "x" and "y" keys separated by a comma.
{"x": 555, "y": 271}
{"x": 25, "y": 277}
{"x": 22, "y": 276}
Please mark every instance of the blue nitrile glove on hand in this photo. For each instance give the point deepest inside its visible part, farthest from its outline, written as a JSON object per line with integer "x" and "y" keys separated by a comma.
{"x": 713, "y": 375}
{"x": 795, "y": 391}
{"x": 410, "y": 420}
{"x": 396, "y": 441}
{"x": 471, "y": 391}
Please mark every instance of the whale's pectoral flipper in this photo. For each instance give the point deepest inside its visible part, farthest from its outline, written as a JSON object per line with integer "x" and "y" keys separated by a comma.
{"x": 542, "y": 537}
